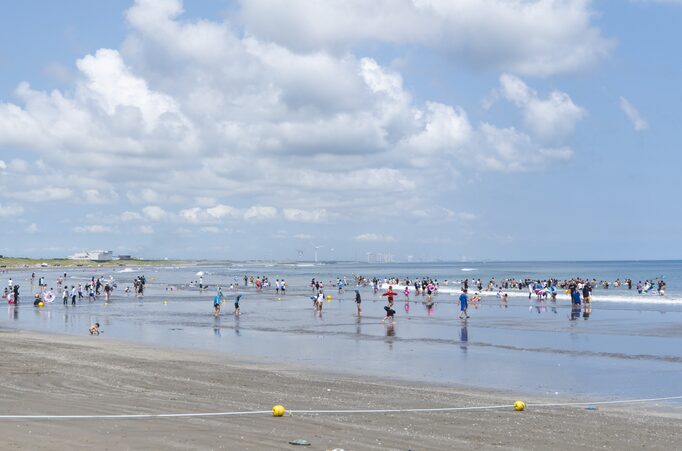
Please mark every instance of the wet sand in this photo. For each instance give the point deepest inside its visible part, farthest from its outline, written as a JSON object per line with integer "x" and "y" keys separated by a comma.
{"x": 53, "y": 374}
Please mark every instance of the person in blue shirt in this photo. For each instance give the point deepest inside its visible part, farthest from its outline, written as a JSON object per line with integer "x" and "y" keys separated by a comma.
{"x": 575, "y": 296}
{"x": 463, "y": 304}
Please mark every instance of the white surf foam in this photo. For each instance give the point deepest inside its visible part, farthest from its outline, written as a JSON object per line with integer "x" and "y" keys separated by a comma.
{"x": 651, "y": 299}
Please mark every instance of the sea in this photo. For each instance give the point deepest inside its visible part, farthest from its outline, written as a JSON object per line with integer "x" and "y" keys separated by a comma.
{"x": 626, "y": 345}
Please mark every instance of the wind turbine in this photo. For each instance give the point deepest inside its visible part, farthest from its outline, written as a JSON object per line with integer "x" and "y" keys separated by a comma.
{"x": 316, "y": 248}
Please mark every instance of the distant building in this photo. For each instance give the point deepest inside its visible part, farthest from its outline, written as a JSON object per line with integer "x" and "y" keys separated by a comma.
{"x": 98, "y": 256}
{"x": 124, "y": 257}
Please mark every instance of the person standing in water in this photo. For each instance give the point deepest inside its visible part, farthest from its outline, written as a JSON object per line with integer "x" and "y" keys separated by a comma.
{"x": 463, "y": 304}
{"x": 389, "y": 308}
{"x": 216, "y": 304}
{"x": 358, "y": 302}
{"x": 237, "y": 312}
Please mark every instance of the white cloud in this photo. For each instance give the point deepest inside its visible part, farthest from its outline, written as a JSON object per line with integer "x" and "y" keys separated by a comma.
{"x": 509, "y": 150}
{"x": 467, "y": 216}
{"x": 32, "y": 228}
{"x": 93, "y": 229}
{"x": 11, "y": 211}
{"x": 130, "y": 216}
{"x": 164, "y": 121}
{"x": 146, "y": 229}
{"x": 258, "y": 213}
{"x": 99, "y": 196}
{"x": 550, "y": 119}
{"x": 192, "y": 215}
{"x": 197, "y": 215}
{"x": 19, "y": 166}
{"x": 155, "y": 213}
{"x": 45, "y": 194}
{"x": 146, "y": 195}
{"x": 223, "y": 211}
{"x": 3, "y": 165}
{"x": 303, "y": 236}
{"x": 542, "y": 37}
{"x": 638, "y": 122}
{"x": 444, "y": 128}
{"x": 374, "y": 237}
{"x": 297, "y": 215}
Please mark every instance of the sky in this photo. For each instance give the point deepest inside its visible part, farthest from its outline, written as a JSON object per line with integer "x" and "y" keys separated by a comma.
{"x": 425, "y": 129}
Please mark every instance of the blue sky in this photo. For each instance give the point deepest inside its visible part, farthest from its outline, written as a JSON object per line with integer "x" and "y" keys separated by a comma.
{"x": 463, "y": 129}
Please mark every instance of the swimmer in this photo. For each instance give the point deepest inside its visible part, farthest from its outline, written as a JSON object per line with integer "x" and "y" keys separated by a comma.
{"x": 94, "y": 329}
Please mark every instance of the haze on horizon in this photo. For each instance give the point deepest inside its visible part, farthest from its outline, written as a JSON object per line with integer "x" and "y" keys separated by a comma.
{"x": 442, "y": 130}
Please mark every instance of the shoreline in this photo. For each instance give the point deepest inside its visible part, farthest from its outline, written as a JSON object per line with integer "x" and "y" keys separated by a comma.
{"x": 61, "y": 374}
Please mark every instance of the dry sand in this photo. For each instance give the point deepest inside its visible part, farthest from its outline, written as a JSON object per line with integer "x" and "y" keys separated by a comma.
{"x": 48, "y": 374}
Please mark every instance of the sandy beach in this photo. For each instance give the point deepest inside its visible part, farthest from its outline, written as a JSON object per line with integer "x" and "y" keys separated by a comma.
{"x": 62, "y": 375}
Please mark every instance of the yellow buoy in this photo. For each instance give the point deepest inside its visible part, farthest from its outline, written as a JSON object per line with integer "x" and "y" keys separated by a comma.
{"x": 519, "y": 405}
{"x": 278, "y": 410}
{"x": 329, "y": 297}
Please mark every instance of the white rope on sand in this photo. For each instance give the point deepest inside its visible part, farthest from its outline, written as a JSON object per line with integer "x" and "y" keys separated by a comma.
{"x": 321, "y": 412}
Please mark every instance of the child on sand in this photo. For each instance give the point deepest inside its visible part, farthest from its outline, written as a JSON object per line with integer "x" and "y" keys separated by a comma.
{"x": 94, "y": 329}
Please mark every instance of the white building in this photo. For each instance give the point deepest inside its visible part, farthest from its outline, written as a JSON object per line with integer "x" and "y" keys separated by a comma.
{"x": 93, "y": 256}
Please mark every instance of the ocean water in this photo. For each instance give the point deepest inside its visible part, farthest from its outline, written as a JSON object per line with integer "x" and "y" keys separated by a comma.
{"x": 627, "y": 345}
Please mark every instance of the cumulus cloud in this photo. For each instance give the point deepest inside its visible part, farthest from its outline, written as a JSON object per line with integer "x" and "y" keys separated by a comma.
{"x": 197, "y": 215}
{"x": 373, "y": 237}
{"x": 146, "y": 229}
{"x": 130, "y": 216}
{"x": 638, "y": 122}
{"x": 95, "y": 228}
{"x": 257, "y": 213}
{"x": 297, "y": 215}
{"x": 11, "y": 211}
{"x": 45, "y": 194}
{"x": 32, "y": 228}
{"x": 550, "y": 119}
{"x": 165, "y": 124}
{"x": 155, "y": 213}
{"x": 542, "y": 37}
